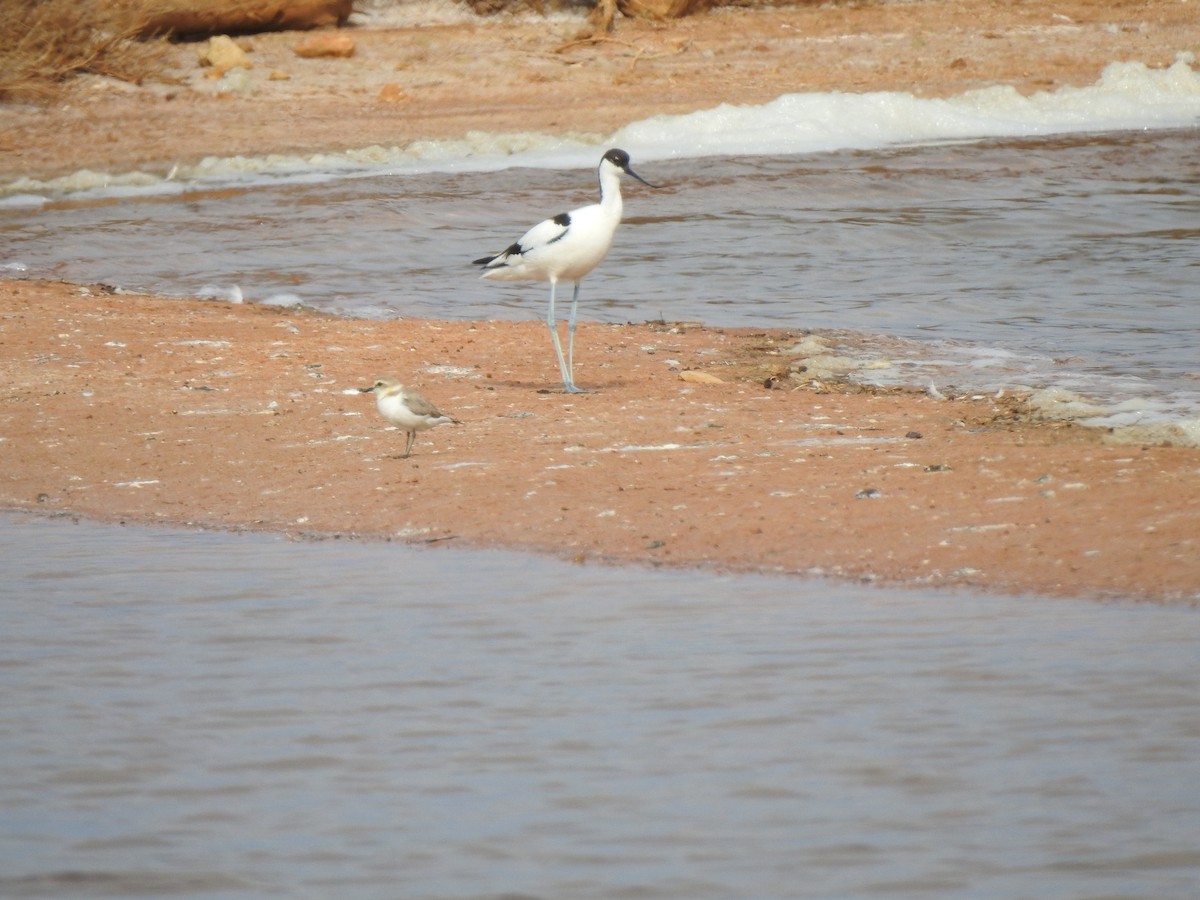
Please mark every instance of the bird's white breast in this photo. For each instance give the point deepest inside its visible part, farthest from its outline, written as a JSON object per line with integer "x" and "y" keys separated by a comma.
{"x": 394, "y": 408}
{"x": 586, "y": 242}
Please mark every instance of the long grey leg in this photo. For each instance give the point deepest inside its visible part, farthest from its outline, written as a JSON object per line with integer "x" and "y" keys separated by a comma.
{"x": 552, "y": 323}
{"x": 569, "y": 381}
{"x": 571, "y": 334}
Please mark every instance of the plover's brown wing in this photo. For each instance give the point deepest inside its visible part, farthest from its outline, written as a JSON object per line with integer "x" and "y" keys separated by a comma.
{"x": 418, "y": 405}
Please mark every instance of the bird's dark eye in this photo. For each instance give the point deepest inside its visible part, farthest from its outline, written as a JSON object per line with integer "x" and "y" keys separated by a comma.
{"x": 618, "y": 157}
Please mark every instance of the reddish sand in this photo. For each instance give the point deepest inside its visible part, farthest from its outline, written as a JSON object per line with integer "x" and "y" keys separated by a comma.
{"x": 148, "y": 410}
{"x": 141, "y": 409}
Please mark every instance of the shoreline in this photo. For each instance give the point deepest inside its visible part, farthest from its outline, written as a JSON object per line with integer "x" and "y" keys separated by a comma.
{"x": 134, "y": 408}
{"x": 144, "y": 409}
{"x": 441, "y": 82}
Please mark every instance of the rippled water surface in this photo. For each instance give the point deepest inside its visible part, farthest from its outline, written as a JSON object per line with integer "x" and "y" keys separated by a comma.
{"x": 207, "y": 715}
{"x": 1073, "y": 261}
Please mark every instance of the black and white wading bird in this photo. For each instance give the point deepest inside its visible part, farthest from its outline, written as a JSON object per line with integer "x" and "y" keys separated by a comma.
{"x": 566, "y": 248}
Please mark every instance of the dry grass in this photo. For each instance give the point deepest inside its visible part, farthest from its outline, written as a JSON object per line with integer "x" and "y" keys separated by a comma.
{"x": 46, "y": 44}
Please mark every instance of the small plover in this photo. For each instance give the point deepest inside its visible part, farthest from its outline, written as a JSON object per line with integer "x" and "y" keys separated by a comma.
{"x": 406, "y": 409}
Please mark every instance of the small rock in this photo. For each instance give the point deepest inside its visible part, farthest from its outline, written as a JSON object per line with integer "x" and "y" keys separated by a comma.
{"x": 869, "y": 494}
{"x": 236, "y": 81}
{"x": 327, "y": 45}
{"x": 810, "y": 345}
{"x": 391, "y": 93}
{"x": 221, "y": 54}
{"x": 278, "y": 75}
{"x": 1062, "y": 405}
{"x": 699, "y": 377}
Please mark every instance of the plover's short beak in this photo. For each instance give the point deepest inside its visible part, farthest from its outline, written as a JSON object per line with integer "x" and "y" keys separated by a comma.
{"x": 366, "y": 390}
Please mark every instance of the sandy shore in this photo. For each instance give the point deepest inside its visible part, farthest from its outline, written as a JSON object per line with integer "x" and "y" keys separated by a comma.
{"x": 142, "y": 409}
{"x": 409, "y": 84}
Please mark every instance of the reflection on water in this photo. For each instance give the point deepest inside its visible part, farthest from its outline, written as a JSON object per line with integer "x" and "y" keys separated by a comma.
{"x": 205, "y": 715}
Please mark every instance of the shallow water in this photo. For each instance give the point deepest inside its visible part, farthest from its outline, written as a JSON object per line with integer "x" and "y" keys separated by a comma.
{"x": 209, "y": 715}
{"x": 1069, "y": 261}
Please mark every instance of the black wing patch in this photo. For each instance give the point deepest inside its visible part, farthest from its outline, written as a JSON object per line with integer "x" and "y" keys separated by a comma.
{"x": 563, "y": 219}
{"x": 513, "y": 250}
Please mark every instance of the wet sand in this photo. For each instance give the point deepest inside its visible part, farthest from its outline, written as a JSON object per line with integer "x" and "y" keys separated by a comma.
{"x": 140, "y": 409}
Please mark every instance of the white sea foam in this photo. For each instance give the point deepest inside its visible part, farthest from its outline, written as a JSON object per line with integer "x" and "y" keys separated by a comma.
{"x": 1128, "y": 95}
{"x": 232, "y": 294}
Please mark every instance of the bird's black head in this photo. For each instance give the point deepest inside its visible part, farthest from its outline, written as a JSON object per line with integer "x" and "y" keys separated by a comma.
{"x": 620, "y": 159}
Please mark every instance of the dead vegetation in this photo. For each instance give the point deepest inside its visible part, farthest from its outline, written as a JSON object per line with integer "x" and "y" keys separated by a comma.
{"x": 45, "y": 44}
